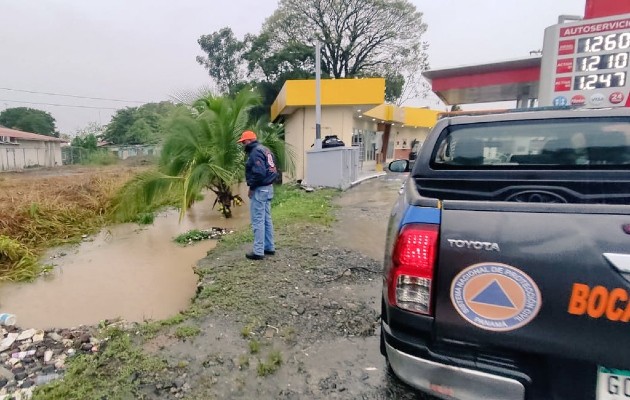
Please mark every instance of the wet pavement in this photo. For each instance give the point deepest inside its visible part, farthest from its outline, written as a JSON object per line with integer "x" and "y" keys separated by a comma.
{"x": 126, "y": 271}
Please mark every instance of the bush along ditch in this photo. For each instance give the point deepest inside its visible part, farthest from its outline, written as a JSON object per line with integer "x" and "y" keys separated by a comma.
{"x": 37, "y": 213}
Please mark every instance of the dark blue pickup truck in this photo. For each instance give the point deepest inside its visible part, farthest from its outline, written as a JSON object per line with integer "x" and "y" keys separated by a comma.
{"x": 507, "y": 267}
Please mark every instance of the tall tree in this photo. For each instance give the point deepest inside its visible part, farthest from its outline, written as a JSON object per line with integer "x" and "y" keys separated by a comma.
{"x": 224, "y": 58}
{"x": 29, "y": 120}
{"x": 139, "y": 125}
{"x": 359, "y": 38}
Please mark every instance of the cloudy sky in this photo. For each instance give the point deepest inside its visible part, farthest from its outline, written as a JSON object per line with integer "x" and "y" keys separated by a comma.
{"x": 144, "y": 50}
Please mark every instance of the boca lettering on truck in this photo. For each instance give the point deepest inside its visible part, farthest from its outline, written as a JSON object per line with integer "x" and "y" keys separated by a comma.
{"x": 598, "y": 302}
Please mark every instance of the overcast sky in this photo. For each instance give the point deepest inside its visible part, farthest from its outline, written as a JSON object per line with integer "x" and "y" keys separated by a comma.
{"x": 144, "y": 50}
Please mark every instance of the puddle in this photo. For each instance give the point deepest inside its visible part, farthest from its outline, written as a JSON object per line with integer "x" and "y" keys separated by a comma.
{"x": 136, "y": 273}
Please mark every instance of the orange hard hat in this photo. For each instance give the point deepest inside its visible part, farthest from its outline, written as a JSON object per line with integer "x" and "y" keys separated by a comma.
{"x": 247, "y": 135}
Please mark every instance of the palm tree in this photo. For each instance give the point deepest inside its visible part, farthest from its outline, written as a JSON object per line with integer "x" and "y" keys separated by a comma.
{"x": 201, "y": 152}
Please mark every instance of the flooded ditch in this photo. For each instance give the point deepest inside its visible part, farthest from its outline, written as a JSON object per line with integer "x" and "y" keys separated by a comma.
{"x": 127, "y": 271}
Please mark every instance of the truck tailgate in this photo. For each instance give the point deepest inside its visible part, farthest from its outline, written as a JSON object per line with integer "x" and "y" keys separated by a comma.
{"x": 540, "y": 278}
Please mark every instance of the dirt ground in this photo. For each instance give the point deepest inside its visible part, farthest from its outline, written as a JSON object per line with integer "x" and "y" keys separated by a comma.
{"x": 314, "y": 305}
{"x": 303, "y": 324}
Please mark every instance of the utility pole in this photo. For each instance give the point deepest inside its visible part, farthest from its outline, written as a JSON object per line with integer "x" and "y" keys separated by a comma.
{"x": 318, "y": 98}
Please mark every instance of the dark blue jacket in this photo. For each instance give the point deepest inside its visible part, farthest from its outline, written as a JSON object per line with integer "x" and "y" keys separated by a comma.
{"x": 260, "y": 169}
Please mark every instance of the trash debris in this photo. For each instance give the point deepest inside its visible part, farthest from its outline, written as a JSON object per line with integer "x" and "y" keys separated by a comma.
{"x": 7, "y": 319}
{"x": 33, "y": 357}
{"x": 22, "y": 354}
{"x": 43, "y": 379}
{"x": 196, "y": 235}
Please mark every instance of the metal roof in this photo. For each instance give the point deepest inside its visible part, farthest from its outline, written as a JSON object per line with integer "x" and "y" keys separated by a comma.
{"x": 27, "y": 135}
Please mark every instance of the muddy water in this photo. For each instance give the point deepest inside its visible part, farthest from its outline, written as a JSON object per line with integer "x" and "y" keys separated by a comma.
{"x": 124, "y": 271}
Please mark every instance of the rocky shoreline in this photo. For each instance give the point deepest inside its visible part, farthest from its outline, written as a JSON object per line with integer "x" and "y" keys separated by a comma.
{"x": 32, "y": 357}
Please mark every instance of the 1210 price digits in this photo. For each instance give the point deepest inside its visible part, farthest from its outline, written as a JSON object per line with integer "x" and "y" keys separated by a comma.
{"x": 605, "y": 61}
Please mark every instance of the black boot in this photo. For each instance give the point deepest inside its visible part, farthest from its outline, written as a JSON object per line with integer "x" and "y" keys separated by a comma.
{"x": 253, "y": 256}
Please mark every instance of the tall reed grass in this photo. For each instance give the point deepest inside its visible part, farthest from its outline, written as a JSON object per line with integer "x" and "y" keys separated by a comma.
{"x": 38, "y": 211}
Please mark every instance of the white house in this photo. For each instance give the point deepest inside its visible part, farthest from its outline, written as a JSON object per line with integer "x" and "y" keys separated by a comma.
{"x": 19, "y": 150}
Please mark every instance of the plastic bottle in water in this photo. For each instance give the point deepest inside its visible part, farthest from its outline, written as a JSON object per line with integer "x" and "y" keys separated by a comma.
{"x": 7, "y": 319}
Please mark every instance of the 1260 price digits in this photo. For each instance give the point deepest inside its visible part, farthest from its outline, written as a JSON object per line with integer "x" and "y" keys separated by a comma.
{"x": 610, "y": 42}
{"x": 599, "y": 81}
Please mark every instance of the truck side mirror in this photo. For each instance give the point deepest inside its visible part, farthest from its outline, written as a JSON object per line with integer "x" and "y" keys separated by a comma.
{"x": 399, "y": 166}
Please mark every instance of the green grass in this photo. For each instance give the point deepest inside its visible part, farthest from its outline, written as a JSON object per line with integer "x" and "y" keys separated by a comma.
{"x": 254, "y": 346}
{"x": 271, "y": 365}
{"x": 17, "y": 262}
{"x": 114, "y": 373}
{"x": 150, "y": 329}
{"x": 292, "y": 204}
{"x": 184, "y": 332}
{"x": 100, "y": 158}
{"x": 145, "y": 218}
{"x": 235, "y": 287}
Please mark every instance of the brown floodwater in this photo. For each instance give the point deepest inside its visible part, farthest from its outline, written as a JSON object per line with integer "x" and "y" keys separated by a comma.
{"x": 126, "y": 271}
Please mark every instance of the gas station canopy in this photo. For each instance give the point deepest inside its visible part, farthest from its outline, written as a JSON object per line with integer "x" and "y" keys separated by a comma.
{"x": 585, "y": 62}
{"x": 500, "y": 81}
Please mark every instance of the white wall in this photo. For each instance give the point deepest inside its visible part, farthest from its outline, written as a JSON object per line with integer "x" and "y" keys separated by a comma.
{"x": 340, "y": 120}
{"x": 300, "y": 130}
{"x": 29, "y": 153}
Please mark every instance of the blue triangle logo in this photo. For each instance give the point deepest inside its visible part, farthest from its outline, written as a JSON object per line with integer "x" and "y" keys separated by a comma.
{"x": 493, "y": 295}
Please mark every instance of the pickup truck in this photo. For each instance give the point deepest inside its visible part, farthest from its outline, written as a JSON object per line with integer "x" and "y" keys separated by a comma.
{"x": 507, "y": 264}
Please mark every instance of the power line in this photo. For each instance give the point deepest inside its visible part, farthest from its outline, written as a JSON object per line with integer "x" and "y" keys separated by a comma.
{"x": 59, "y": 105}
{"x": 73, "y": 96}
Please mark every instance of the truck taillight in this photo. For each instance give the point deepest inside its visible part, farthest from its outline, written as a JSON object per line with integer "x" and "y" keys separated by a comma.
{"x": 410, "y": 277}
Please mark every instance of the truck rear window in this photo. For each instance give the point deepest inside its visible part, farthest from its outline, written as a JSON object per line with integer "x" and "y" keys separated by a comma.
{"x": 560, "y": 143}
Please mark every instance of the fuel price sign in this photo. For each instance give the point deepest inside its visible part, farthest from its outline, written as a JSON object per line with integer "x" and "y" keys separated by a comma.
{"x": 587, "y": 63}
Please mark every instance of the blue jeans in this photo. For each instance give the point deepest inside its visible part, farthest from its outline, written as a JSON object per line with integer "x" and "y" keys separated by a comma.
{"x": 260, "y": 211}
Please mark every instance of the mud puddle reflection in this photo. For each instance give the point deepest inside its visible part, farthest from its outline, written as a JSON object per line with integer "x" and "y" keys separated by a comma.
{"x": 125, "y": 271}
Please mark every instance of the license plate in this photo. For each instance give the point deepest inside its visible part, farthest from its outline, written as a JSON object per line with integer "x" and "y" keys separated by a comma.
{"x": 613, "y": 384}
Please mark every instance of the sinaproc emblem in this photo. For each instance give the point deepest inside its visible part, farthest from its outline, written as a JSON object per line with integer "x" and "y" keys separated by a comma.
{"x": 495, "y": 297}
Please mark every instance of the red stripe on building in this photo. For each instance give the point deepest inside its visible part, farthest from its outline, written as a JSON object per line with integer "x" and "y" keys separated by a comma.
{"x": 486, "y": 79}
{"x": 605, "y": 8}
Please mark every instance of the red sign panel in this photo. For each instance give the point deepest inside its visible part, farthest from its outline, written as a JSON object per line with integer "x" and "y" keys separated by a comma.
{"x": 566, "y": 47}
{"x": 564, "y": 66}
{"x": 563, "y": 84}
{"x": 595, "y": 28}
{"x": 578, "y": 100}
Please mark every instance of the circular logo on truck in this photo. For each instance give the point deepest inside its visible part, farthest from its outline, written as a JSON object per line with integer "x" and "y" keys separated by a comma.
{"x": 495, "y": 297}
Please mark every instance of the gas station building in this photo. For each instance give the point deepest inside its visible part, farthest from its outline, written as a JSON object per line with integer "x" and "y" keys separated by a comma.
{"x": 355, "y": 111}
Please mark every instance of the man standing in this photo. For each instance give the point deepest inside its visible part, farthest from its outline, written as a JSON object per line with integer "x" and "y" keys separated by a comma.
{"x": 260, "y": 173}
